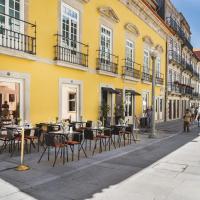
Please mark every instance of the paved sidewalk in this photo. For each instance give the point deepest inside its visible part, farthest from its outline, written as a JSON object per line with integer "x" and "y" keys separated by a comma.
{"x": 79, "y": 180}
{"x": 175, "y": 177}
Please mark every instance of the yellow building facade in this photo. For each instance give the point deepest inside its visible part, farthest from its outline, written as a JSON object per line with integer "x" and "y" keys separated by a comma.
{"x": 78, "y": 54}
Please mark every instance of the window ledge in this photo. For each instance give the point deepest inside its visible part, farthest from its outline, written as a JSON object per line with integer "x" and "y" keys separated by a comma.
{"x": 18, "y": 54}
{"x": 107, "y": 73}
{"x": 71, "y": 66}
{"x": 131, "y": 78}
{"x": 147, "y": 82}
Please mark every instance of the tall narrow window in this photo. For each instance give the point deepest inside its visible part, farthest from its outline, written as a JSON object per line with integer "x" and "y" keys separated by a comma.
{"x": 13, "y": 12}
{"x": 70, "y": 26}
{"x": 146, "y": 61}
{"x": 129, "y": 54}
{"x": 158, "y": 67}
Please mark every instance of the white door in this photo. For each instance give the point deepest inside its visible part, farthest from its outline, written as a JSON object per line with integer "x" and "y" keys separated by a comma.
{"x": 70, "y": 102}
{"x": 128, "y": 108}
{"x": 129, "y": 54}
{"x": 159, "y": 108}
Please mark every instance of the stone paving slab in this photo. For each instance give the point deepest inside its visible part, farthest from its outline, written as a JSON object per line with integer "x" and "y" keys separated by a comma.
{"x": 167, "y": 179}
{"x": 81, "y": 179}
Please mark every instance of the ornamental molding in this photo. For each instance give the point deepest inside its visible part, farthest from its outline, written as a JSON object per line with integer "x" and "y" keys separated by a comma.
{"x": 147, "y": 39}
{"x": 86, "y": 1}
{"x": 109, "y": 13}
{"x": 132, "y": 28}
{"x": 159, "y": 48}
{"x": 145, "y": 14}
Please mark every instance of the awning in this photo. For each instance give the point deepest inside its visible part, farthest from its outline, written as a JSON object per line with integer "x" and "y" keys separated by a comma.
{"x": 110, "y": 90}
{"x": 133, "y": 92}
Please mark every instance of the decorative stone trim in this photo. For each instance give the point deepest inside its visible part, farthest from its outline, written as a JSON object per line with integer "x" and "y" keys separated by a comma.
{"x": 159, "y": 48}
{"x": 18, "y": 54}
{"x": 147, "y": 39}
{"x": 132, "y": 28}
{"x": 107, "y": 73}
{"x": 109, "y": 13}
{"x": 130, "y": 78}
{"x": 72, "y": 66}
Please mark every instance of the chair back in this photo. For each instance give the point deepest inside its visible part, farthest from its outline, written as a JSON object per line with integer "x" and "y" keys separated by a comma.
{"x": 49, "y": 139}
{"x": 88, "y": 134}
{"x": 115, "y": 130}
{"x": 53, "y": 127}
{"x": 88, "y": 124}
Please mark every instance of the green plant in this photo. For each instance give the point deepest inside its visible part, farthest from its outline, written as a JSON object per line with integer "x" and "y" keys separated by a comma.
{"x": 119, "y": 110}
{"x": 104, "y": 109}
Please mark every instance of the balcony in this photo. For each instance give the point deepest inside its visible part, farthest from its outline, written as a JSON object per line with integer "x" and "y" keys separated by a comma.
{"x": 179, "y": 31}
{"x": 189, "y": 67}
{"x": 195, "y": 95}
{"x": 71, "y": 52}
{"x": 17, "y": 34}
{"x": 146, "y": 75}
{"x": 107, "y": 63}
{"x": 186, "y": 90}
{"x": 159, "y": 78}
{"x": 131, "y": 70}
{"x": 174, "y": 57}
{"x": 174, "y": 87}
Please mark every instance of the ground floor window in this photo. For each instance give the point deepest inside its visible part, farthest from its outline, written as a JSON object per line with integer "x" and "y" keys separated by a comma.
{"x": 178, "y": 104}
{"x": 170, "y": 109}
{"x": 11, "y": 101}
{"x": 174, "y": 109}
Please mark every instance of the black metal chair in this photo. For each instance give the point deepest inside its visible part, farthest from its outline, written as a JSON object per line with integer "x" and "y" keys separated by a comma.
{"x": 57, "y": 142}
{"x": 77, "y": 140}
{"x": 33, "y": 135}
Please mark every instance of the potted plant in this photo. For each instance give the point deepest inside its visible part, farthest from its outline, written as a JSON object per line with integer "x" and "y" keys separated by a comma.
{"x": 119, "y": 112}
{"x": 104, "y": 110}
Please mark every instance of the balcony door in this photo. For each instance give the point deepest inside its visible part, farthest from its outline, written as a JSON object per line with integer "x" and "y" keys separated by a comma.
{"x": 129, "y": 54}
{"x": 106, "y": 47}
{"x": 10, "y": 24}
{"x": 159, "y": 109}
{"x": 70, "y": 27}
{"x": 146, "y": 62}
{"x": 128, "y": 108}
{"x": 70, "y": 104}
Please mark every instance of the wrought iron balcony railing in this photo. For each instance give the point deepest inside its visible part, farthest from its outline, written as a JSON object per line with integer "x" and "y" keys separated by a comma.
{"x": 179, "y": 31}
{"x": 159, "y": 78}
{"x": 146, "y": 74}
{"x": 17, "y": 34}
{"x": 174, "y": 87}
{"x": 71, "y": 51}
{"x": 174, "y": 57}
{"x": 131, "y": 69}
{"x": 107, "y": 62}
{"x": 189, "y": 67}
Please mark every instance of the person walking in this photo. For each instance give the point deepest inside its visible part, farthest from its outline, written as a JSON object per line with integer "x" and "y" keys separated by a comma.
{"x": 149, "y": 117}
{"x": 198, "y": 116}
{"x": 186, "y": 120}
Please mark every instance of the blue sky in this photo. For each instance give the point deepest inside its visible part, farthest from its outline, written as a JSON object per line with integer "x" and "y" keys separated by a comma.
{"x": 191, "y": 11}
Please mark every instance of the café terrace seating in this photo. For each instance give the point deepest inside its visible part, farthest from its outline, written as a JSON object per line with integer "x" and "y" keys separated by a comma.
{"x": 72, "y": 140}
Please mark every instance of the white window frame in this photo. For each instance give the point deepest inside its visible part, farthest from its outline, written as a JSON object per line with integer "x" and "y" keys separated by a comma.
{"x": 21, "y": 15}
{"x": 146, "y": 56}
{"x": 158, "y": 66}
{"x": 111, "y": 37}
{"x": 129, "y": 48}
{"x": 64, "y": 5}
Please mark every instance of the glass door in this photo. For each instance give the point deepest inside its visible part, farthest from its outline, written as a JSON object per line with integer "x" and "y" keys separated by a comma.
{"x": 128, "y": 108}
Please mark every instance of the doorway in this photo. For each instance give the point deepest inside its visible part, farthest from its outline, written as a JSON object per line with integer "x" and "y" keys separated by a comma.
{"x": 70, "y": 102}
{"x": 11, "y": 100}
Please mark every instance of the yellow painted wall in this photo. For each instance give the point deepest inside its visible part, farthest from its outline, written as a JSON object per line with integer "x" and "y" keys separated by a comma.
{"x": 44, "y": 94}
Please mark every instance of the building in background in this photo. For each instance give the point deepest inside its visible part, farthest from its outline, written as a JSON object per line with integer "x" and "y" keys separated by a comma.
{"x": 84, "y": 55}
{"x": 183, "y": 68}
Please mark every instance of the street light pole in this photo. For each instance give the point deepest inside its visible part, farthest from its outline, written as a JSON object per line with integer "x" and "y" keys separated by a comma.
{"x": 153, "y": 57}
